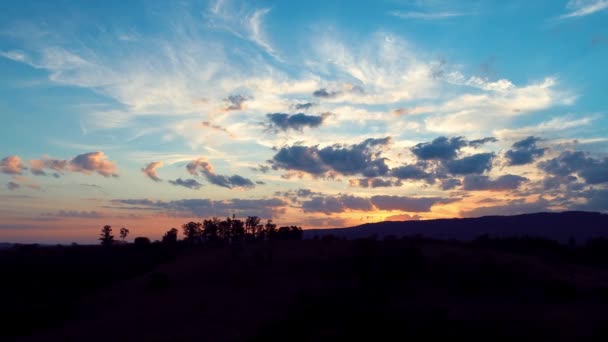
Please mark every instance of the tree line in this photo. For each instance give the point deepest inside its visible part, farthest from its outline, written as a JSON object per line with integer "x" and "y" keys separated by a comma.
{"x": 215, "y": 230}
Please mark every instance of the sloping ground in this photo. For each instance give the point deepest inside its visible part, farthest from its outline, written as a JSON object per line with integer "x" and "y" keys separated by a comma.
{"x": 555, "y": 226}
{"x": 347, "y": 290}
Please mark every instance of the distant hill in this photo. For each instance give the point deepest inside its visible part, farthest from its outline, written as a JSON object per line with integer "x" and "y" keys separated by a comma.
{"x": 556, "y": 226}
{"x": 6, "y": 245}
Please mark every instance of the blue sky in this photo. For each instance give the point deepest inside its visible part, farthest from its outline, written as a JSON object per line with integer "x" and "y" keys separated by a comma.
{"x": 321, "y": 113}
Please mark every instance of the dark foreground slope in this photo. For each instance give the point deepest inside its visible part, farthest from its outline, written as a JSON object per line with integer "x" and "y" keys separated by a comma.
{"x": 556, "y": 226}
{"x": 336, "y": 290}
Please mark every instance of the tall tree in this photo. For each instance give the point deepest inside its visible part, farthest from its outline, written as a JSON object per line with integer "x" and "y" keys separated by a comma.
{"x": 210, "y": 229}
{"x": 106, "y": 237}
{"x": 270, "y": 230}
{"x": 192, "y": 231}
{"x": 251, "y": 225}
{"x": 124, "y": 232}
{"x": 170, "y": 236}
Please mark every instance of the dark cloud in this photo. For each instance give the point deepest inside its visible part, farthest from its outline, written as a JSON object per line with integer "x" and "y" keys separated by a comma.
{"x": 150, "y": 170}
{"x": 502, "y": 183}
{"x": 304, "y": 106}
{"x": 261, "y": 168}
{"x": 12, "y": 165}
{"x": 592, "y": 170}
{"x": 203, "y": 167}
{"x": 13, "y": 186}
{"x": 477, "y": 163}
{"x": 188, "y": 183}
{"x": 441, "y": 148}
{"x": 296, "y": 122}
{"x": 323, "y": 93}
{"x": 413, "y": 172}
{"x": 363, "y": 158}
{"x": 479, "y": 142}
{"x": 336, "y": 204}
{"x": 450, "y": 183}
{"x": 373, "y": 183}
{"x": 235, "y": 102}
{"x": 265, "y": 208}
{"x": 524, "y": 151}
{"x": 411, "y": 204}
{"x": 596, "y": 200}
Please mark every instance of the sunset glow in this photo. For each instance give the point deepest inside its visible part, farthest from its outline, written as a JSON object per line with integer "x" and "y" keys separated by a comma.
{"x": 149, "y": 114}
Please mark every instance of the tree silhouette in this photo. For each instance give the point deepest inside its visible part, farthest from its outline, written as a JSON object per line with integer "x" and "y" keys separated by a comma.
{"x": 225, "y": 230}
{"x": 106, "y": 236}
{"x": 270, "y": 229}
{"x": 170, "y": 236}
{"x": 251, "y": 225}
{"x": 123, "y": 233}
{"x": 210, "y": 229}
{"x": 192, "y": 232}
{"x": 238, "y": 229}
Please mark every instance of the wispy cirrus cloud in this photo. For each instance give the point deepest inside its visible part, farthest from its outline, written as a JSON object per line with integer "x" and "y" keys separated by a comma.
{"x": 581, "y": 8}
{"x": 427, "y": 15}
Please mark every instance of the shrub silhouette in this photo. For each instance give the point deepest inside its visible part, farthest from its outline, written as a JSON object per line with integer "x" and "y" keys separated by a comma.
{"x": 141, "y": 241}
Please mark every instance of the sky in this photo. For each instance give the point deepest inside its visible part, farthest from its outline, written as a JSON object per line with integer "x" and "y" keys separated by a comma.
{"x": 148, "y": 114}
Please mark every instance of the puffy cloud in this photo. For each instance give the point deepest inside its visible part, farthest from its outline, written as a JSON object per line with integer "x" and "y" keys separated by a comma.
{"x": 477, "y": 163}
{"x": 441, "y": 148}
{"x": 336, "y": 204}
{"x": 86, "y": 163}
{"x": 37, "y": 166}
{"x": 342, "y": 203}
{"x": 13, "y": 185}
{"x": 203, "y": 167}
{"x": 93, "y": 162}
{"x": 450, "y": 183}
{"x": 265, "y": 208}
{"x": 12, "y": 165}
{"x": 363, "y": 158}
{"x": 235, "y": 102}
{"x": 592, "y": 170}
{"x": 596, "y": 200}
{"x": 296, "y": 122}
{"x": 524, "y": 151}
{"x": 188, "y": 183}
{"x": 414, "y": 172}
{"x": 150, "y": 170}
{"x": 502, "y": 183}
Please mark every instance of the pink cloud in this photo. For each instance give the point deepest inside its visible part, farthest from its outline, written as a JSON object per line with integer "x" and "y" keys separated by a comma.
{"x": 93, "y": 162}
{"x": 12, "y": 165}
{"x": 150, "y": 170}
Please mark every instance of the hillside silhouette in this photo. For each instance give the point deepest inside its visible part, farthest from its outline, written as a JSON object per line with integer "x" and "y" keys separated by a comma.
{"x": 560, "y": 226}
{"x": 203, "y": 282}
